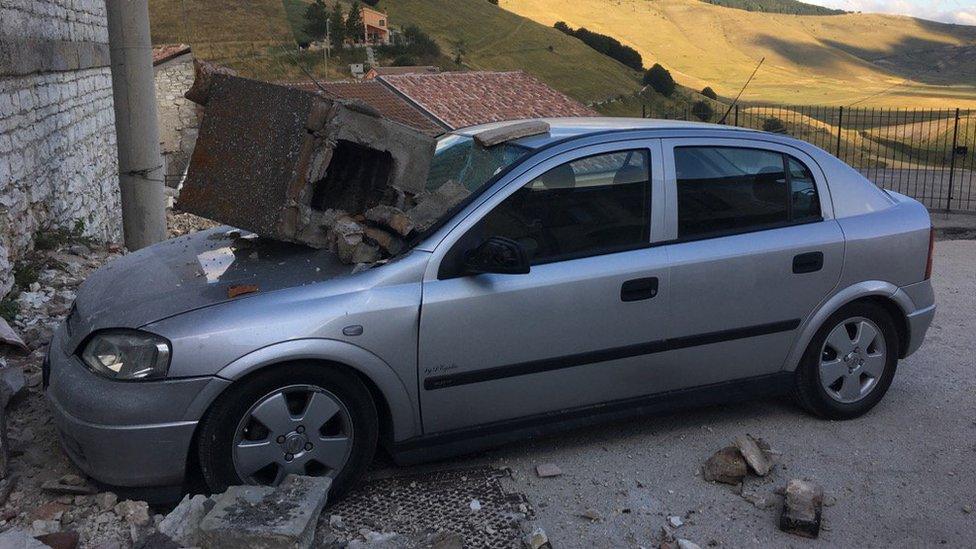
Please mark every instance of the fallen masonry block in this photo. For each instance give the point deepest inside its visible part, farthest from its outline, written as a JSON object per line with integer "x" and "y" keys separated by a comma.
{"x": 280, "y": 162}
{"x": 802, "y": 508}
{"x": 753, "y": 454}
{"x": 265, "y": 516}
{"x": 726, "y": 466}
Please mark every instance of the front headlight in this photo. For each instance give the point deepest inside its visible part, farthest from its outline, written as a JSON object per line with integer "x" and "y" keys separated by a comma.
{"x": 127, "y": 354}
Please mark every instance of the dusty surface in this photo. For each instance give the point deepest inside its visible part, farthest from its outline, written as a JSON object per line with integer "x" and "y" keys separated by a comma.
{"x": 900, "y": 476}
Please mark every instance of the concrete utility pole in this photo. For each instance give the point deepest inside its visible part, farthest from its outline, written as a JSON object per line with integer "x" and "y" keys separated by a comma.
{"x": 134, "y": 90}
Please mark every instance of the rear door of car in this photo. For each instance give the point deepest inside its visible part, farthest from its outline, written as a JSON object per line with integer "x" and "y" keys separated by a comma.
{"x": 583, "y": 326}
{"x": 754, "y": 250}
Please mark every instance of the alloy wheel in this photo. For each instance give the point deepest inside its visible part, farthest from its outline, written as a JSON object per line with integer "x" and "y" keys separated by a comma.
{"x": 852, "y": 360}
{"x": 300, "y": 429}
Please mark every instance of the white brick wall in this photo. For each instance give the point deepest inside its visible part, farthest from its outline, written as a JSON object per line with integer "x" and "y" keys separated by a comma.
{"x": 58, "y": 158}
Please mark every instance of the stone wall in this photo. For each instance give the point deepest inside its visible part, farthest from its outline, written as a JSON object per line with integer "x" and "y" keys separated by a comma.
{"x": 179, "y": 121}
{"x": 58, "y": 158}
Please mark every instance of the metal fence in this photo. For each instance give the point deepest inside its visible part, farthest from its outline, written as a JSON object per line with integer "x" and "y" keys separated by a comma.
{"x": 928, "y": 154}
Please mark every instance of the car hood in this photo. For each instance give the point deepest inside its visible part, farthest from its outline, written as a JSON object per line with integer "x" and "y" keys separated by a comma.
{"x": 191, "y": 272}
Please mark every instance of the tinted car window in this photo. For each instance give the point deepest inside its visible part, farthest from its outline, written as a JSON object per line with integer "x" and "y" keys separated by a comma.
{"x": 805, "y": 202}
{"x": 729, "y": 189}
{"x": 590, "y": 206}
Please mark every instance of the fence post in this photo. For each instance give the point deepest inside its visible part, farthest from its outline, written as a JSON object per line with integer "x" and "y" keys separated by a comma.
{"x": 952, "y": 161}
{"x": 643, "y": 111}
{"x": 736, "y": 115}
{"x": 840, "y": 129}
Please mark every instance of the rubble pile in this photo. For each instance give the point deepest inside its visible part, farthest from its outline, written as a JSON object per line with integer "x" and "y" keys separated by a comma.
{"x": 296, "y": 166}
{"x": 803, "y": 500}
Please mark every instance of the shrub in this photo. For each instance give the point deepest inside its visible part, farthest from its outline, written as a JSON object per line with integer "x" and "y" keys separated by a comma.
{"x": 774, "y": 125}
{"x": 404, "y": 61}
{"x": 702, "y": 110}
{"x": 316, "y": 17}
{"x": 417, "y": 44}
{"x": 709, "y": 93}
{"x": 659, "y": 79}
{"x": 607, "y": 45}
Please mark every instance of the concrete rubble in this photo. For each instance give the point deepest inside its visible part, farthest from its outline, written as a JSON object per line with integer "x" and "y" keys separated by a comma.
{"x": 296, "y": 166}
{"x": 802, "y": 508}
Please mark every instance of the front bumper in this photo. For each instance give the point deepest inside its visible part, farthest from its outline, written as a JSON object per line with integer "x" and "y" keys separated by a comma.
{"x": 124, "y": 433}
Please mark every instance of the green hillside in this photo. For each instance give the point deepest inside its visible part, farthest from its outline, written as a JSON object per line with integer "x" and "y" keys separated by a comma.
{"x": 496, "y": 39}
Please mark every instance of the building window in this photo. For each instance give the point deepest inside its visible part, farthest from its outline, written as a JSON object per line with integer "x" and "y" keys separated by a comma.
{"x": 382, "y": 22}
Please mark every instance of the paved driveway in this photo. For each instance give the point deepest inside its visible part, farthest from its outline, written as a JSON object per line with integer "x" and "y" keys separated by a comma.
{"x": 904, "y": 475}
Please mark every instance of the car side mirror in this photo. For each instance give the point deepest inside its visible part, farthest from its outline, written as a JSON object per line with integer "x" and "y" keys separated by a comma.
{"x": 497, "y": 254}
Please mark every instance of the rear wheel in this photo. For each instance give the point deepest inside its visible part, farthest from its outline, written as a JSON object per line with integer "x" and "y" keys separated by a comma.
{"x": 849, "y": 364}
{"x": 305, "y": 419}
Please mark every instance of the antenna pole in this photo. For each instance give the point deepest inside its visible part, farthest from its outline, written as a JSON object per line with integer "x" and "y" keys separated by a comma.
{"x": 735, "y": 102}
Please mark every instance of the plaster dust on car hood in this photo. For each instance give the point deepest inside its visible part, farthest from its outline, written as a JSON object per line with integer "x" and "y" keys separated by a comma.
{"x": 191, "y": 272}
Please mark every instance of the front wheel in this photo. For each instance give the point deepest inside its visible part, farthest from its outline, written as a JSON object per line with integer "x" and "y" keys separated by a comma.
{"x": 304, "y": 419}
{"x": 849, "y": 364}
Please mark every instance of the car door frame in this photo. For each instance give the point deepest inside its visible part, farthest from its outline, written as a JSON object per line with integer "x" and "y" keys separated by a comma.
{"x": 535, "y": 168}
{"x": 668, "y": 146}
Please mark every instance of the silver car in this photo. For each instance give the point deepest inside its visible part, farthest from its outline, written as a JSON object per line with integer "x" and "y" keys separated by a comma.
{"x": 606, "y": 268}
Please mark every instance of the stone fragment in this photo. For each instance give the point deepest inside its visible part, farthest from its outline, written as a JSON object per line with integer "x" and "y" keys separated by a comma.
{"x": 546, "y": 470}
{"x": 591, "y": 515}
{"x": 675, "y": 521}
{"x": 802, "y": 508}
{"x": 182, "y": 524}
{"x": 390, "y": 244}
{"x": 379, "y": 540}
{"x": 264, "y": 516}
{"x": 534, "y": 537}
{"x": 445, "y": 540}
{"x": 60, "y": 540}
{"x": 686, "y": 544}
{"x": 431, "y": 207}
{"x": 41, "y": 527}
{"x": 10, "y": 338}
{"x": 726, "y": 466}
{"x": 58, "y": 487}
{"x": 106, "y": 500}
{"x": 475, "y": 505}
{"x": 132, "y": 512}
{"x": 18, "y": 538}
{"x": 510, "y": 131}
{"x": 241, "y": 289}
{"x": 12, "y": 383}
{"x": 392, "y": 217}
{"x": 757, "y": 459}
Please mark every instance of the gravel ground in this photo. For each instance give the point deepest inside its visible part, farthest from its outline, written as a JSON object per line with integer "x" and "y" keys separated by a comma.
{"x": 900, "y": 476}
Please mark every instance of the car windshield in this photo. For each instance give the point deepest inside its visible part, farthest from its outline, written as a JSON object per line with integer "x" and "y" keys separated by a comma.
{"x": 460, "y": 159}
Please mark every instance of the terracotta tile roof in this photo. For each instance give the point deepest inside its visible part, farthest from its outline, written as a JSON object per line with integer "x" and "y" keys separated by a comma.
{"x": 165, "y": 52}
{"x": 381, "y": 98}
{"x": 460, "y": 99}
{"x": 419, "y": 69}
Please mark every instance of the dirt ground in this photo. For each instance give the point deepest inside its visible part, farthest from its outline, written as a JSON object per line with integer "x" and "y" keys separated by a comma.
{"x": 901, "y": 476}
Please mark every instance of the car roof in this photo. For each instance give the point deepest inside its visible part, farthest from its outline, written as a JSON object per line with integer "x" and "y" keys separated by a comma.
{"x": 567, "y": 128}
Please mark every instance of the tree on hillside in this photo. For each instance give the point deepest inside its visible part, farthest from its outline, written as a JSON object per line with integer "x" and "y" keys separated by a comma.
{"x": 563, "y": 27}
{"x": 337, "y": 26}
{"x": 316, "y": 19}
{"x": 709, "y": 93}
{"x": 702, "y": 110}
{"x": 458, "y": 51}
{"x": 774, "y": 125}
{"x": 607, "y": 45}
{"x": 354, "y": 23}
{"x": 659, "y": 79}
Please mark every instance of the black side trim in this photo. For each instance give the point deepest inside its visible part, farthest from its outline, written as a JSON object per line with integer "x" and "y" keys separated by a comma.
{"x": 605, "y": 355}
{"x": 470, "y": 439}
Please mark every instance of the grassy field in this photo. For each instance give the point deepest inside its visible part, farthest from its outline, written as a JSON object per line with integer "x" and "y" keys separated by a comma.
{"x": 875, "y": 60}
{"x": 496, "y": 39}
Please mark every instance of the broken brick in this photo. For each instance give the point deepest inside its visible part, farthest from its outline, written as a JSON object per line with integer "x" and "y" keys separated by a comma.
{"x": 432, "y": 206}
{"x": 726, "y": 466}
{"x": 241, "y": 289}
{"x": 390, "y": 244}
{"x": 391, "y": 217}
{"x": 802, "y": 508}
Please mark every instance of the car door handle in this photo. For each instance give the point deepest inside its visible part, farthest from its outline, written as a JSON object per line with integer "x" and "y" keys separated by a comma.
{"x": 638, "y": 289}
{"x": 808, "y": 263}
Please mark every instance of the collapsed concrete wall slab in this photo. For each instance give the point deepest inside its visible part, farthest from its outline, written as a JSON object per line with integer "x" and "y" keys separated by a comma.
{"x": 289, "y": 164}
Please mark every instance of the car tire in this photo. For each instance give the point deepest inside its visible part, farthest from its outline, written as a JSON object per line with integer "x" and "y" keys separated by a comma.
{"x": 232, "y": 422}
{"x": 862, "y": 376}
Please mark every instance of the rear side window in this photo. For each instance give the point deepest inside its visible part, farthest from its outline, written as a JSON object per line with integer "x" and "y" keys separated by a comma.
{"x": 591, "y": 206}
{"x": 724, "y": 190}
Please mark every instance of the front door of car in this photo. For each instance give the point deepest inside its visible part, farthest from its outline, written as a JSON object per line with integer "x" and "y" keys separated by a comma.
{"x": 580, "y": 327}
{"x": 755, "y": 250}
